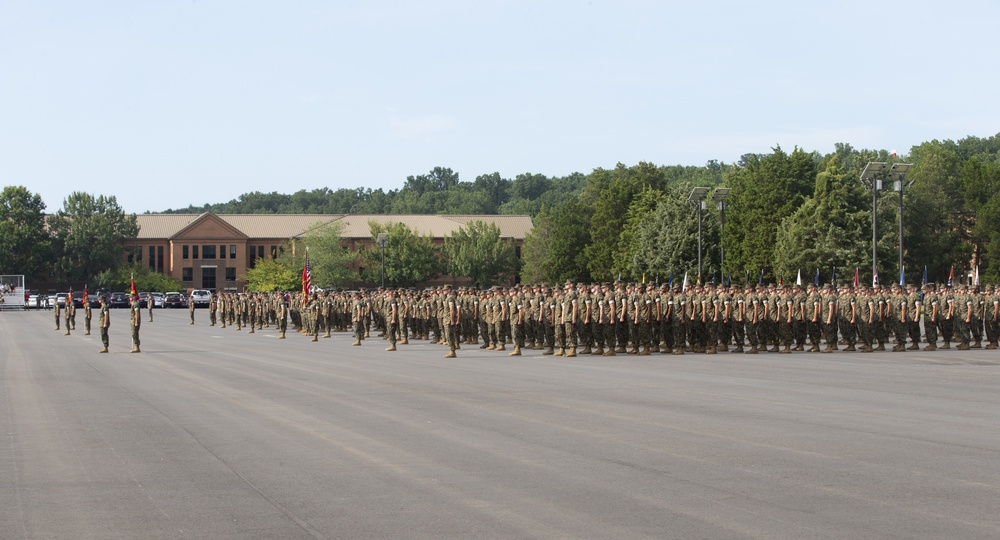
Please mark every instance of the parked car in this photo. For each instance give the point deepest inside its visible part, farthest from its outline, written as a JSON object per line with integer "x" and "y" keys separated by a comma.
{"x": 201, "y": 297}
{"x": 78, "y": 299}
{"x": 35, "y": 301}
{"x": 143, "y": 300}
{"x": 61, "y": 299}
{"x": 174, "y": 300}
{"x": 157, "y": 299}
{"x": 119, "y": 300}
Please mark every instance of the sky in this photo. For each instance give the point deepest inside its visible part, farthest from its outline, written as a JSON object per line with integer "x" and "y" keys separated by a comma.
{"x": 164, "y": 104}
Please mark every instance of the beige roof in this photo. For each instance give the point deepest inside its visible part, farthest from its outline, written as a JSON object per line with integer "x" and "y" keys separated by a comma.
{"x": 156, "y": 226}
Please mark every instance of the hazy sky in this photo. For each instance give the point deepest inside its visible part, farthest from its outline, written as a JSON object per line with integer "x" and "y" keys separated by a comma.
{"x": 168, "y": 103}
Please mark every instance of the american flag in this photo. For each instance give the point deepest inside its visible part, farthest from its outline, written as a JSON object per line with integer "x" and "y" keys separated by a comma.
{"x": 306, "y": 275}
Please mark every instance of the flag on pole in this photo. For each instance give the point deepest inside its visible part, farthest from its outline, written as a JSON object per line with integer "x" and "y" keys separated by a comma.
{"x": 760, "y": 280}
{"x": 976, "y": 282}
{"x": 816, "y": 279}
{"x": 69, "y": 298}
{"x": 781, "y": 279}
{"x": 306, "y": 275}
{"x": 86, "y": 297}
{"x": 902, "y": 276}
{"x": 833, "y": 278}
{"x": 132, "y": 289}
{"x": 670, "y": 281}
{"x": 951, "y": 276}
{"x": 874, "y": 276}
{"x": 684, "y": 286}
{"x": 643, "y": 278}
{"x": 729, "y": 282}
{"x": 798, "y": 280}
{"x": 923, "y": 280}
{"x": 746, "y": 282}
{"x": 856, "y": 277}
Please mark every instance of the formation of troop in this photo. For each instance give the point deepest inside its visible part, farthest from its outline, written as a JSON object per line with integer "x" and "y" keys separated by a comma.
{"x": 617, "y": 318}
{"x": 640, "y": 319}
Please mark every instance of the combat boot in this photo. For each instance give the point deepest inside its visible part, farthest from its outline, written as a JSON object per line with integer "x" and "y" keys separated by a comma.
{"x": 587, "y": 350}
{"x": 104, "y": 350}
{"x": 666, "y": 350}
{"x": 315, "y": 338}
{"x": 562, "y": 351}
{"x": 451, "y": 354}
{"x": 977, "y": 345}
{"x": 753, "y": 350}
{"x": 722, "y": 348}
{"x": 500, "y": 347}
{"x": 913, "y": 347}
{"x": 282, "y": 336}
{"x": 881, "y": 347}
{"x": 787, "y": 350}
{"x": 947, "y": 345}
{"x": 391, "y": 347}
{"x": 898, "y": 348}
{"x": 645, "y": 351}
{"x": 774, "y": 349}
{"x": 963, "y": 347}
{"x": 571, "y": 352}
{"x": 930, "y": 347}
{"x": 799, "y": 348}
{"x": 992, "y": 346}
{"x": 249, "y": 332}
{"x": 516, "y": 352}
{"x": 849, "y": 348}
{"x": 611, "y": 352}
{"x": 548, "y": 352}
{"x": 599, "y": 351}
{"x": 868, "y": 348}
{"x": 357, "y": 342}
{"x": 678, "y": 351}
{"x": 655, "y": 348}
{"x": 711, "y": 349}
{"x": 136, "y": 349}
{"x": 738, "y": 348}
{"x": 405, "y": 341}
{"x": 634, "y": 350}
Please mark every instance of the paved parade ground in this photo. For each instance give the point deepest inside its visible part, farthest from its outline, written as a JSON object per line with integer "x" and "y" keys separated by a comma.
{"x": 216, "y": 433}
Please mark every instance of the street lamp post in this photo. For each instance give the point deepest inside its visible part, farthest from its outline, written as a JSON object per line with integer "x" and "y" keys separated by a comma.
{"x": 383, "y": 240}
{"x": 898, "y": 173}
{"x": 872, "y": 178}
{"x": 720, "y": 196}
{"x": 697, "y": 198}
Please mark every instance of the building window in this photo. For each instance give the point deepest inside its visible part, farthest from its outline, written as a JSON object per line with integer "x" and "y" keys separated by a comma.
{"x": 230, "y": 274}
{"x": 187, "y": 274}
{"x": 260, "y": 252}
{"x": 232, "y": 251}
{"x": 253, "y": 256}
{"x": 274, "y": 252}
{"x": 208, "y": 252}
{"x": 159, "y": 259}
{"x": 184, "y": 253}
{"x": 222, "y": 251}
{"x": 152, "y": 258}
{"x": 208, "y": 277}
{"x": 194, "y": 252}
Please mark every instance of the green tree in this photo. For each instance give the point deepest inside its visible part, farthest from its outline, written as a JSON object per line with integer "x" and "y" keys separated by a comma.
{"x": 89, "y": 235}
{"x": 410, "y": 258}
{"x": 936, "y": 219}
{"x": 269, "y": 275}
{"x": 477, "y": 251}
{"x": 608, "y": 196}
{"x": 24, "y": 243}
{"x": 536, "y": 248}
{"x": 146, "y": 279}
{"x": 832, "y": 228}
{"x": 329, "y": 259}
{"x": 664, "y": 238}
{"x": 570, "y": 235}
{"x": 765, "y": 190}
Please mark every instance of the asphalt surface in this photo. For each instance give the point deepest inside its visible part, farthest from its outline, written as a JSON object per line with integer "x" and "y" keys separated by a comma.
{"x": 216, "y": 433}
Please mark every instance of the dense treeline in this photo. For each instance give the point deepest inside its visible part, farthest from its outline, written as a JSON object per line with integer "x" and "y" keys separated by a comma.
{"x": 789, "y": 212}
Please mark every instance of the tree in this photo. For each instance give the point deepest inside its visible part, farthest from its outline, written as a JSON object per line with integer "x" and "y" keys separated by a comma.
{"x": 410, "y": 259}
{"x": 535, "y": 251}
{"x": 765, "y": 190}
{"x": 269, "y": 275}
{"x": 829, "y": 229}
{"x": 146, "y": 279}
{"x": 477, "y": 251}
{"x": 570, "y": 235}
{"x": 608, "y": 196}
{"x": 24, "y": 243}
{"x": 664, "y": 238}
{"x": 329, "y": 259}
{"x": 89, "y": 235}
